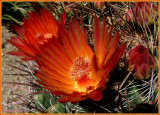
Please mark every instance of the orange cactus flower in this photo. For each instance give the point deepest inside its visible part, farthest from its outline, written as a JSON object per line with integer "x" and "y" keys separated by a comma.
{"x": 141, "y": 62}
{"x": 36, "y": 29}
{"x": 71, "y": 69}
{"x": 148, "y": 9}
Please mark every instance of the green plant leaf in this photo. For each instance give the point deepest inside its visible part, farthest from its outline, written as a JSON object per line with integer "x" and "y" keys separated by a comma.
{"x": 9, "y": 17}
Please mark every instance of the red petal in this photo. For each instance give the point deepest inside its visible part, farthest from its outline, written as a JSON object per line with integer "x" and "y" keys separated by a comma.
{"x": 111, "y": 49}
{"x": 16, "y": 53}
{"x": 72, "y": 98}
{"x": 143, "y": 70}
{"x": 63, "y": 18}
{"x": 96, "y": 96}
{"x": 21, "y": 45}
{"x": 64, "y": 99}
{"x": 19, "y": 30}
{"x": 27, "y": 58}
{"x": 75, "y": 41}
{"x": 116, "y": 58}
{"x": 101, "y": 40}
{"x": 49, "y": 22}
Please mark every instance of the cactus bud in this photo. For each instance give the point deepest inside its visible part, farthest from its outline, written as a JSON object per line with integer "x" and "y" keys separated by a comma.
{"x": 141, "y": 62}
{"x": 146, "y": 11}
{"x": 99, "y": 5}
{"x": 149, "y": 11}
{"x": 129, "y": 15}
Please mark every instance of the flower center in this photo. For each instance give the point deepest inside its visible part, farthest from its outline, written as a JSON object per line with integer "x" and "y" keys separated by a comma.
{"x": 81, "y": 68}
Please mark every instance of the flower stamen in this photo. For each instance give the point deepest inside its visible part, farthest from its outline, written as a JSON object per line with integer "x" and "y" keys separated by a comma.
{"x": 81, "y": 68}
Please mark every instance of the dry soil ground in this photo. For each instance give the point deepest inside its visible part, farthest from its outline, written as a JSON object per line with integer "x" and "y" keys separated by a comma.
{"x": 10, "y": 102}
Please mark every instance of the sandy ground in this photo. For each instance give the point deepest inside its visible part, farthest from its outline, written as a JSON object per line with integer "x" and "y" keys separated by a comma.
{"x": 10, "y": 102}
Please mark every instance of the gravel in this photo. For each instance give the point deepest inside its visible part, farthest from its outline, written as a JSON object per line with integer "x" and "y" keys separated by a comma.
{"x": 10, "y": 102}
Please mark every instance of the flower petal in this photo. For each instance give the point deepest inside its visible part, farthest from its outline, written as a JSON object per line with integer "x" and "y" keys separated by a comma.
{"x": 116, "y": 58}
{"x": 96, "y": 96}
{"x": 75, "y": 41}
{"x": 21, "y": 45}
